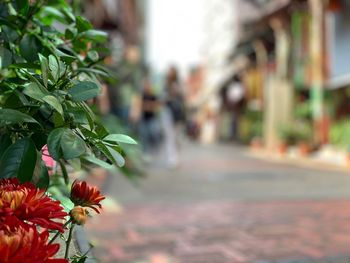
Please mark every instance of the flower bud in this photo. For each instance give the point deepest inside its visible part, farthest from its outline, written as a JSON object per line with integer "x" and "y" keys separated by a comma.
{"x": 79, "y": 215}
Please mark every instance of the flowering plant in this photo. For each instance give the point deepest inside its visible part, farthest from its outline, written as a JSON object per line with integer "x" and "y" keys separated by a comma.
{"x": 50, "y": 72}
{"x": 24, "y": 208}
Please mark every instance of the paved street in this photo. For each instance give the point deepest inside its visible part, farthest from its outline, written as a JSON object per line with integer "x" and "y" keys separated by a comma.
{"x": 221, "y": 205}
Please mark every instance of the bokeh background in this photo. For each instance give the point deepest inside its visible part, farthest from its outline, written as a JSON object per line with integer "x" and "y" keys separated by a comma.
{"x": 242, "y": 113}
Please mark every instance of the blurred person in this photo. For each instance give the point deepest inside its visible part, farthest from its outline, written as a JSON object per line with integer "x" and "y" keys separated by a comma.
{"x": 235, "y": 101}
{"x": 173, "y": 116}
{"x": 149, "y": 127}
{"x": 194, "y": 83}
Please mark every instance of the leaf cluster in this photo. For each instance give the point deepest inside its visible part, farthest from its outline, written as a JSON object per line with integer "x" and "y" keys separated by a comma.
{"x": 50, "y": 72}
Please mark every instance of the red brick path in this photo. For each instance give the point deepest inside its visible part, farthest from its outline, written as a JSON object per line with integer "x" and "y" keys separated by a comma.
{"x": 220, "y": 232}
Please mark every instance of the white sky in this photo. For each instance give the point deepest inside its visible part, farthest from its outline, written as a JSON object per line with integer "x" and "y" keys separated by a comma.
{"x": 174, "y": 34}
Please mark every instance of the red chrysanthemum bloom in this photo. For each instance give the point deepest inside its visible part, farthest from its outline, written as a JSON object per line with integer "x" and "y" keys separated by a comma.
{"x": 29, "y": 204}
{"x": 86, "y": 195}
{"x": 24, "y": 244}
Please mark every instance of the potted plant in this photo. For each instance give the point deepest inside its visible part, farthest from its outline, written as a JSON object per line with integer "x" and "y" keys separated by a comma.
{"x": 49, "y": 68}
{"x": 287, "y": 137}
{"x": 303, "y": 134}
{"x": 256, "y": 143}
{"x": 339, "y": 136}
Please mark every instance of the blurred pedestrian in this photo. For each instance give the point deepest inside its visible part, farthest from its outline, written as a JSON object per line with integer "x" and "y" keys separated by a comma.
{"x": 173, "y": 116}
{"x": 149, "y": 126}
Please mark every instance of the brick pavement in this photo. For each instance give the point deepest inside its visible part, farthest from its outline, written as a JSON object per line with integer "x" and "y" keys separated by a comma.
{"x": 160, "y": 225}
{"x": 224, "y": 232}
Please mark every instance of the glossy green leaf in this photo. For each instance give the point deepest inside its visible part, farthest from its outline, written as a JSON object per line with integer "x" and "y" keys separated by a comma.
{"x": 70, "y": 33}
{"x": 34, "y": 91}
{"x": 54, "y": 103}
{"x": 94, "y": 160}
{"x": 84, "y": 90}
{"x": 62, "y": 142}
{"x": 29, "y": 48}
{"x": 22, "y": 6}
{"x": 10, "y": 116}
{"x": 92, "y": 55}
{"x": 5, "y": 142}
{"x": 89, "y": 114}
{"x": 96, "y": 35}
{"x": 5, "y": 57}
{"x": 44, "y": 69}
{"x": 103, "y": 148}
{"x": 54, "y": 67}
{"x": 72, "y": 145}
{"x": 54, "y": 143}
{"x": 19, "y": 160}
{"x": 82, "y": 24}
{"x": 120, "y": 138}
{"x": 41, "y": 176}
{"x": 119, "y": 159}
{"x": 64, "y": 172}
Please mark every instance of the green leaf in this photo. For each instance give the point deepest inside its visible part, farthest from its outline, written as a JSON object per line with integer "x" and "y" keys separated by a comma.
{"x": 103, "y": 148}
{"x": 5, "y": 142}
{"x": 81, "y": 259}
{"x": 120, "y": 138}
{"x": 34, "y": 79}
{"x": 64, "y": 172}
{"x": 54, "y": 103}
{"x": 96, "y": 35}
{"x": 58, "y": 119}
{"x": 54, "y": 67}
{"x": 72, "y": 145}
{"x": 94, "y": 160}
{"x": 29, "y": 48}
{"x": 41, "y": 176}
{"x": 89, "y": 114}
{"x": 19, "y": 160}
{"x": 44, "y": 69}
{"x": 52, "y": 13}
{"x": 84, "y": 91}
{"x": 5, "y": 57}
{"x": 54, "y": 143}
{"x": 34, "y": 91}
{"x": 10, "y": 116}
{"x": 92, "y": 55}
{"x": 70, "y": 33}
{"x": 22, "y": 6}
{"x": 82, "y": 24}
{"x": 119, "y": 159}
{"x": 62, "y": 142}
{"x": 101, "y": 131}
{"x": 94, "y": 71}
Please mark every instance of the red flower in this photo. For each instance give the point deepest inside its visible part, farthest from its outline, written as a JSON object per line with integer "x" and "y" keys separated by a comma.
{"x": 29, "y": 204}
{"x": 85, "y": 195}
{"x": 24, "y": 244}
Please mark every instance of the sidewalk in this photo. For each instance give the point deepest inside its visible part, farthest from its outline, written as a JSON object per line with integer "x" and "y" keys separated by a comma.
{"x": 325, "y": 159}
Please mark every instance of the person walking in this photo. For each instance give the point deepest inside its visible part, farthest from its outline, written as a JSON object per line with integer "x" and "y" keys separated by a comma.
{"x": 149, "y": 132}
{"x": 173, "y": 116}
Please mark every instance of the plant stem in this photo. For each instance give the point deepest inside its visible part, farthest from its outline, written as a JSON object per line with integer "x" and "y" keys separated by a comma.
{"x": 58, "y": 232}
{"x": 69, "y": 240}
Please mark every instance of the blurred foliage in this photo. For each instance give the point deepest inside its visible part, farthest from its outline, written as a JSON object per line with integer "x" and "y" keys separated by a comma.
{"x": 134, "y": 166}
{"x": 340, "y": 134}
{"x": 250, "y": 125}
{"x": 298, "y": 132}
{"x": 303, "y": 111}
